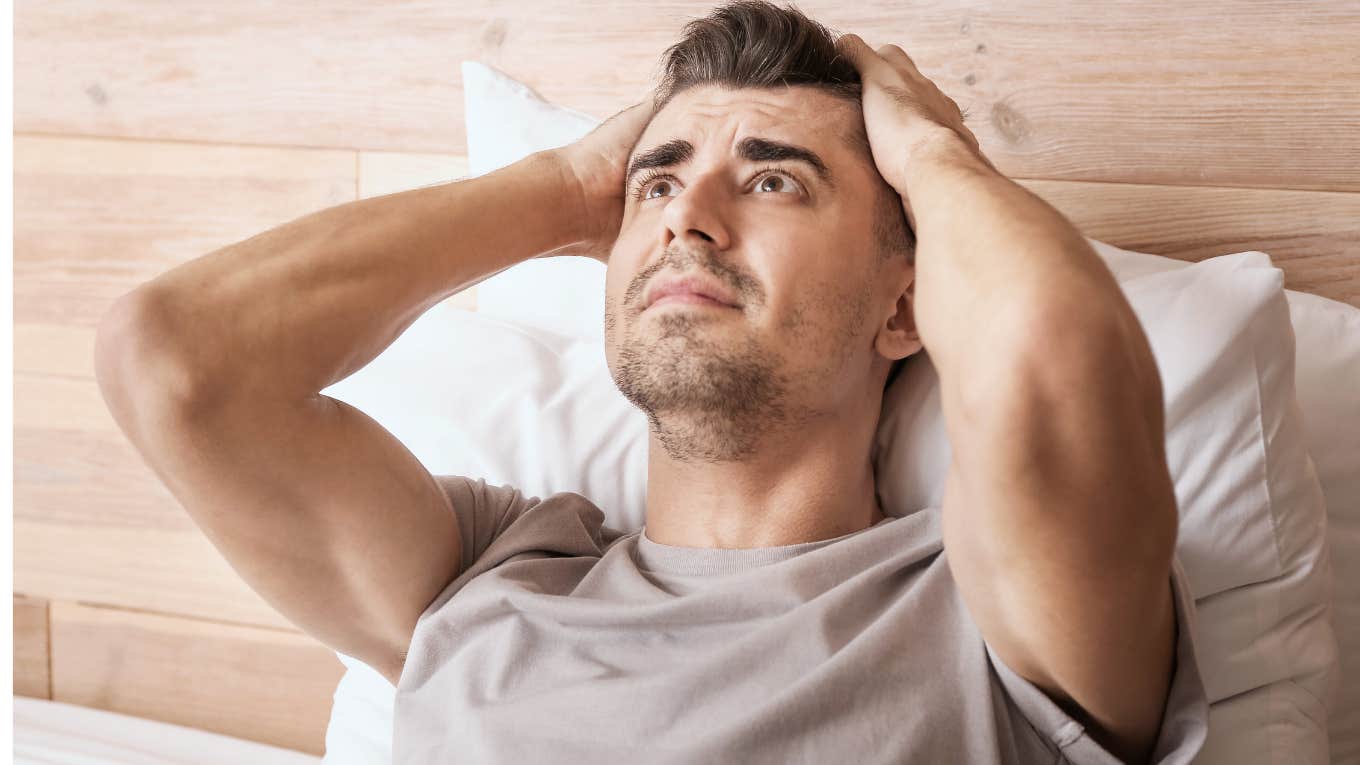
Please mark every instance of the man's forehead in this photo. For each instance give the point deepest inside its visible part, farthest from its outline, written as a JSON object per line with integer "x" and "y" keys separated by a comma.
{"x": 795, "y": 113}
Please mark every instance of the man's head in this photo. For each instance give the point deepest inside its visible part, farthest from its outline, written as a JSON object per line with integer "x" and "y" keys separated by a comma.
{"x": 755, "y": 173}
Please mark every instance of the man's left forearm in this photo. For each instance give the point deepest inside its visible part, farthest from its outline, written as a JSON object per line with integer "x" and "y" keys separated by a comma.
{"x": 1050, "y": 392}
{"x": 1003, "y": 279}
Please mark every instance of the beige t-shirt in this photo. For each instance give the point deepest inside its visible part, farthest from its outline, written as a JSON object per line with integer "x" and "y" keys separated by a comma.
{"x": 566, "y": 641}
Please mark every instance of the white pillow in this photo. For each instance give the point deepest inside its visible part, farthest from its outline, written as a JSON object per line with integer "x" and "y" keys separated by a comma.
{"x": 576, "y": 433}
{"x": 1327, "y": 385}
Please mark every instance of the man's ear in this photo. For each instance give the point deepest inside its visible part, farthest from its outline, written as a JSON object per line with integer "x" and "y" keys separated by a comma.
{"x": 898, "y": 337}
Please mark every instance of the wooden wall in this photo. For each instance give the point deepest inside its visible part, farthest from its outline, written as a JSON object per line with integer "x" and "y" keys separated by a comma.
{"x": 149, "y": 133}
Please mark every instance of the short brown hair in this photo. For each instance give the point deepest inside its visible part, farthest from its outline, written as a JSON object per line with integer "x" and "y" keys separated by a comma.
{"x": 755, "y": 44}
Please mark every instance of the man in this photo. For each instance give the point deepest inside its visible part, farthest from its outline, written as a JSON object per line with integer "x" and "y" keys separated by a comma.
{"x": 761, "y": 284}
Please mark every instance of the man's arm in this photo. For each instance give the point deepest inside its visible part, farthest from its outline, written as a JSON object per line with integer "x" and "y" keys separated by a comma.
{"x": 286, "y": 313}
{"x": 1059, "y": 512}
{"x": 213, "y": 370}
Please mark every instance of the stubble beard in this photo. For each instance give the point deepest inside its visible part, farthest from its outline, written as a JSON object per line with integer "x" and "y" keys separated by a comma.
{"x": 704, "y": 401}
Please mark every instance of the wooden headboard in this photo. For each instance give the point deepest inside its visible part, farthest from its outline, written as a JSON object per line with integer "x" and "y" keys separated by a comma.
{"x": 149, "y": 133}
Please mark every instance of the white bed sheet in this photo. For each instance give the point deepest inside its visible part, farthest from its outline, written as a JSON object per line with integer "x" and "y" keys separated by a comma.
{"x": 57, "y": 733}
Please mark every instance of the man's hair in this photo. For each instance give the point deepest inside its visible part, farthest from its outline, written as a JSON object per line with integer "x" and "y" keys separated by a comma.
{"x": 755, "y": 44}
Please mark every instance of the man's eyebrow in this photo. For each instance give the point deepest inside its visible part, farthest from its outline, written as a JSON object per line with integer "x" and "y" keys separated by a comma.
{"x": 678, "y": 151}
{"x": 672, "y": 152}
{"x": 765, "y": 150}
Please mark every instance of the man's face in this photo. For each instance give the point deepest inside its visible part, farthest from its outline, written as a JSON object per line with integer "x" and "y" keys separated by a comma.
{"x": 794, "y": 246}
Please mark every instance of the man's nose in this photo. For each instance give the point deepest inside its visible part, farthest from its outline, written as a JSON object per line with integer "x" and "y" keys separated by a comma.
{"x": 700, "y": 210}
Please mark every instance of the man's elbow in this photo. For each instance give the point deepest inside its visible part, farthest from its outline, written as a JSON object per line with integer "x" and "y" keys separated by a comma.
{"x": 133, "y": 366}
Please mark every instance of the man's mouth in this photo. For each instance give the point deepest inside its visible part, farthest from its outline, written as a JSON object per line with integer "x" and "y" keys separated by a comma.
{"x": 697, "y": 283}
{"x": 693, "y": 299}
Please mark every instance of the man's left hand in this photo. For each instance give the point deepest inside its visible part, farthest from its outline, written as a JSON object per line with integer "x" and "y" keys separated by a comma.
{"x": 903, "y": 109}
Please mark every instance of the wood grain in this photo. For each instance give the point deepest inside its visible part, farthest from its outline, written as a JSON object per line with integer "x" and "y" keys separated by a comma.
{"x": 94, "y": 218}
{"x": 271, "y": 686}
{"x": 1181, "y": 92}
{"x": 31, "y": 658}
{"x": 1314, "y": 237}
{"x": 173, "y": 572}
{"x": 57, "y": 350}
{"x": 89, "y": 477}
{"x": 61, "y": 403}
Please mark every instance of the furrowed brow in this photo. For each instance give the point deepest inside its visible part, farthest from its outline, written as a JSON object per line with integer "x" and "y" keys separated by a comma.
{"x": 672, "y": 152}
{"x": 765, "y": 150}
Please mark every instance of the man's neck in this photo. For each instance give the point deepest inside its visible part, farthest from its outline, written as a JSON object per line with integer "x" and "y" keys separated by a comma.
{"x": 787, "y": 489}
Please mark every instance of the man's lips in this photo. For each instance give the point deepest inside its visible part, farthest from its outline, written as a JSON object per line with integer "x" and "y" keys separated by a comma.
{"x": 695, "y": 285}
{"x": 690, "y": 298}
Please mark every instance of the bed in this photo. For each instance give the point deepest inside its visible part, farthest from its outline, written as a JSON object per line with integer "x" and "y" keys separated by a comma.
{"x": 147, "y": 134}
{"x": 48, "y": 731}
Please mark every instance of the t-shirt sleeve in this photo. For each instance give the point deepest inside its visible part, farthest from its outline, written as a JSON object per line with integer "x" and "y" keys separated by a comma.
{"x": 1185, "y": 722}
{"x": 497, "y": 523}
{"x": 484, "y": 511}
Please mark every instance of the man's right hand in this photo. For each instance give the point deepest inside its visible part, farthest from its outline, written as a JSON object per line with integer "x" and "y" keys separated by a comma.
{"x": 595, "y": 166}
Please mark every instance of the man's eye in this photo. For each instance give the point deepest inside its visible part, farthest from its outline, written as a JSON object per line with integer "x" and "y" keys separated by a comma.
{"x": 785, "y": 182}
{"x": 647, "y": 190}
{"x": 642, "y": 188}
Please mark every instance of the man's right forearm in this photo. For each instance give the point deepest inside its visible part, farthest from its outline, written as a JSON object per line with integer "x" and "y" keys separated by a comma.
{"x": 297, "y": 308}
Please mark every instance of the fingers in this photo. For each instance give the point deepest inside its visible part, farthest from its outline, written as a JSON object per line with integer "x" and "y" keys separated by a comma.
{"x": 866, "y": 59}
{"x": 632, "y": 120}
{"x": 896, "y": 55}
{"x": 641, "y": 107}
{"x": 859, "y": 53}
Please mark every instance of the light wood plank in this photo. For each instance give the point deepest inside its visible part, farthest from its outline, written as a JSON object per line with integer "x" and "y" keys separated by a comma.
{"x": 93, "y": 218}
{"x": 54, "y": 349}
{"x": 31, "y": 676}
{"x": 1204, "y": 92}
{"x": 383, "y": 172}
{"x": 87, "y": 478}
{"x": 173, "y": 572}
{"x": 263, "y": 685}
{"x": 61, "y": 403}
{"x": 1314, "y": 237}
